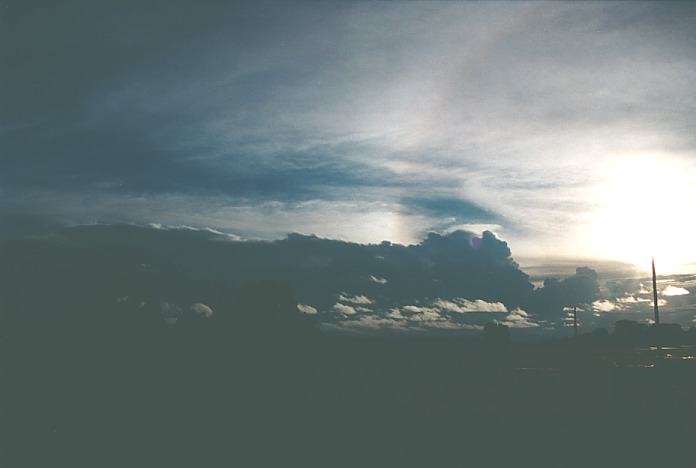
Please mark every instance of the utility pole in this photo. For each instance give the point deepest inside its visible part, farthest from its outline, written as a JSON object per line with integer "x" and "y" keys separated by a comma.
{"x": 655, "y": 307}
{"x": 575, "y": 321}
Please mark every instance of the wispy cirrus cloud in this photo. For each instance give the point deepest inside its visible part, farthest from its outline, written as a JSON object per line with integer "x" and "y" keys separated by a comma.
{"x": 355, "y": 121}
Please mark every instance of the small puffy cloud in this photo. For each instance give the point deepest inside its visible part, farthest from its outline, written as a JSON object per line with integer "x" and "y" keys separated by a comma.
{"x": 202, "y": 310}
{"x": 518, "y": 318}
{"x": 170, "y": 312}
{"x": 450, "y": 325}
{"x": 169, "y": 309}
{"x": 396, "y": 314}
{"x": 378, "y": 280}
{"x": 419, "y": 309}
{"x": 414, "y": 313}
{"x": 462, "y": 306}
{"x": 604, "y": 305}
{"x": 426, "y": 315}
{"x": 344, "y": 309}
{"x": 674, "y": 291}
{"x": 426, "y": 319}
{"x": 362, "y": 300}
{"x": 369, "y": 323}
{"x": 306, "y": 309}
{"x": 628, "y": 299}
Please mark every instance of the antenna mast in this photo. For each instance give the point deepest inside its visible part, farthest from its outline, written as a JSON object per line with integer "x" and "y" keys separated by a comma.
{"x": 654, "y": 278}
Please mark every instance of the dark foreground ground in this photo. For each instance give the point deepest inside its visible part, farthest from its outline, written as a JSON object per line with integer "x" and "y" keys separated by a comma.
{"x": 342, "y": 401}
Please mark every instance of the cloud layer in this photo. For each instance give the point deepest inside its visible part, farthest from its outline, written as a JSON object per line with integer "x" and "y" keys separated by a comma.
{"x": 357, "y": 121}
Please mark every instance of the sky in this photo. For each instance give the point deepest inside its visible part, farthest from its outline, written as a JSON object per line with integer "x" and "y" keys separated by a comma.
{"x": 567, "y": 129}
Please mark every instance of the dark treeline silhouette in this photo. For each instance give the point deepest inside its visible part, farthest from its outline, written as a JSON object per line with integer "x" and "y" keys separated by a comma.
{"x": 124, "y": 352}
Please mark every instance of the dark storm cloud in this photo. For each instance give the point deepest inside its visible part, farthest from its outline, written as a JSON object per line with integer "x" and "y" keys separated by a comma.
{"x": 455, "y": 282}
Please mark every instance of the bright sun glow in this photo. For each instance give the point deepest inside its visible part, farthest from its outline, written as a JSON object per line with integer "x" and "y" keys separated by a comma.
{"x": 645, "y": 208}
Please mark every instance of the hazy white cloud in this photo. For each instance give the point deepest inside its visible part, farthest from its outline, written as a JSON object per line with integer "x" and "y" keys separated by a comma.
{"x": 369, "y": 323}
{"x": 202, "y": 309}
{"x": 355, "y": 299}
{"x": 604, "y": 305}
{"x": 533, "y": 111}
{"x": 420, "y": 309}
{"x": 185, "y": 227}
{"x": 459, "y": 305}
{"x": 423, "y": 314}
{"x": 629, "y": 299}
{"x": 674, "y": 291}
{"x": 170, "y": 312}
{"x": 518, "y": 318}
{"x": 396, "y": 314}
{"x": 306, "y": 309}
{"x": 451, "y": 325}
{"x": 421, "y": 321}
{"x": 344, "y": 309}
{"x": 378, "y": 280}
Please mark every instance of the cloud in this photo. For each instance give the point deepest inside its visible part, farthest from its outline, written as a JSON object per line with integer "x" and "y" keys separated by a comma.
{"x": 293, "y": 136}
{"x": 518, "y": 318}
{"x": 462, "y": 306}
{"x": 420, "y": 310}
{"x": 369, "y": 323}
{"x": 674, "y": 291}
{"x": 434, "y": 284}
{"x": 355, "y": 299}
{"x": 556, "y": 294}
{"x": 628, "y": 299}
{"x": 344, "y": 309}
{"x": 396, "y": 314}
{"x": 202, "y": 310}
{"x": 604, "y": 305}
{"x": 171, "y": 313}
{"x": 450, "y": 325}
{"x": 422, "y": 314}
{"x": 377, "y": 279}
{"x": 307, "y": 309}
{"x": 416, "y": 322}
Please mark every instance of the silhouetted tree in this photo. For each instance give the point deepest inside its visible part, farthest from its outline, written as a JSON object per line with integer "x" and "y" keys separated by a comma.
{"x": 629, "y": 332}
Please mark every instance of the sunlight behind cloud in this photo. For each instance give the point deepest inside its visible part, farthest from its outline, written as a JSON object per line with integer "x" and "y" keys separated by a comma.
{"x": 643, "y": 211}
